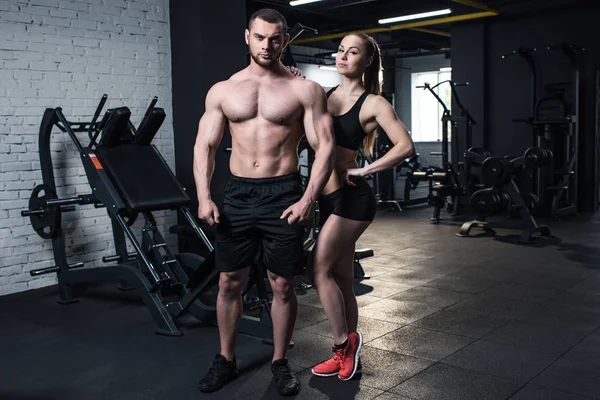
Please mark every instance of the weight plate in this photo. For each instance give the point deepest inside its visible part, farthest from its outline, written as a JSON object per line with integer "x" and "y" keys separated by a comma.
{"x": 482, "y": 202}
{"x": 538, "y": 157}
{"x": 46, "y": 225}
{"x": 494, "y": 171}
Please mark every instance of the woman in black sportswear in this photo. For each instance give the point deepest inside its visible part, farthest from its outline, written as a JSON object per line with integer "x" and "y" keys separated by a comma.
{"x": 347, "y": 205}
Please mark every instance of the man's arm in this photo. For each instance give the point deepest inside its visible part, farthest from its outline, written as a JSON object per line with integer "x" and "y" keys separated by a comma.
{"x": 210, "y": 134}
{"x": 318, "y": 126}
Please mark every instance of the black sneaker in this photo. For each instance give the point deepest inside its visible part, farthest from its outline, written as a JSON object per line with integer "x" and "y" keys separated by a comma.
{"x": 221, "y": 372}
{"x": 287, "y": 384}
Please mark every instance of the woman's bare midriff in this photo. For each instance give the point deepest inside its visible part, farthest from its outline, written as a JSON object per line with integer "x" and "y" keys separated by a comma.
{"x": 344, "y": 159}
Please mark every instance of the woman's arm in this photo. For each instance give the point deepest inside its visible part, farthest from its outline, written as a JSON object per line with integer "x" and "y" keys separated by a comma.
{"x": 386, "y": 118}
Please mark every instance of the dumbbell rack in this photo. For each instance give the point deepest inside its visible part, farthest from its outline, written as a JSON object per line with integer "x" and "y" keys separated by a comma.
{"x": 503, "y": 193}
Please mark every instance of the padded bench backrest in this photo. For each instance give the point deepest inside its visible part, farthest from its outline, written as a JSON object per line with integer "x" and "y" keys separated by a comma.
{"x": 117, "y": 130}
{"x": 150, "y": 125}
{"x": 142, "y": 177}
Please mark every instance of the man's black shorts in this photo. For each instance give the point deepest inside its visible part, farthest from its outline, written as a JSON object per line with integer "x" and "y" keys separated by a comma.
{"x": 251, "y": 225}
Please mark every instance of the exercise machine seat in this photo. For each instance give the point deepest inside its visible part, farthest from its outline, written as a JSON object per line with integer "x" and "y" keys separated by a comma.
{"x": 142, "y": 177}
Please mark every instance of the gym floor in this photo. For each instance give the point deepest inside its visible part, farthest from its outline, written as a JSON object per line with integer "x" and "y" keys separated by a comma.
{"x": 442, "y": 317}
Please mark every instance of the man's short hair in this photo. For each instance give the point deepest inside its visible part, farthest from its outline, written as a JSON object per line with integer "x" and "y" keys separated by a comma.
{"x": 271, "y": 16}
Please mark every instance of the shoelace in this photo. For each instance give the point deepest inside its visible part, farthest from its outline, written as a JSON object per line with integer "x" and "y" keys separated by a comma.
{"x": 283, "y": 372}
{"x": 338, "y": 356}
{"x": 215, "y": 367}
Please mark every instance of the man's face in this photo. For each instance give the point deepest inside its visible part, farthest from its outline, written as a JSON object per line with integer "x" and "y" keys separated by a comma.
{"x": 266, "y": 42}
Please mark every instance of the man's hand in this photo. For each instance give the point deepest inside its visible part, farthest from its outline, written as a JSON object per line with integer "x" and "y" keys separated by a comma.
{"x": 296, "y": 72}
{"x": 353, "y": 173}
{"x": 298, "y": 213}
{"x": 208, "y": 212}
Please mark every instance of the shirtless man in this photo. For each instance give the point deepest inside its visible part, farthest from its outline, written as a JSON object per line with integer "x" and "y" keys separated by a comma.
{"x": 268, "y": 112}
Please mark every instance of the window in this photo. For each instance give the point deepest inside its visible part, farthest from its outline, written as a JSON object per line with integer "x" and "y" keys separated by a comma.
{"x": 426, "y": 111}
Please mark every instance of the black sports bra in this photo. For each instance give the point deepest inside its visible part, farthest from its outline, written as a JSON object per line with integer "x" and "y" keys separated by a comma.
{"x": 348, "y": 131}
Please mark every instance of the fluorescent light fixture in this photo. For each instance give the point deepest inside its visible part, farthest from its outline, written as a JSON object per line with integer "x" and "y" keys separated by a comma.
{"x": 334, "y": 55}
{"x": 446, "y": 69}
{"x": 415, "y": 16}
{"x": 328, "y": 67}
{"x": 300, "y": 2}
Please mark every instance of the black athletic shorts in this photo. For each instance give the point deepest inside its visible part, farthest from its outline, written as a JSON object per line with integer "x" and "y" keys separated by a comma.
{"x": 357, "y": 203}
{"x": 251, "y": 227}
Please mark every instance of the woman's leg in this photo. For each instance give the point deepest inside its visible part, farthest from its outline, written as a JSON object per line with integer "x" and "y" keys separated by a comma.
{"x": 343, "y": 273}
{"x": 325, "y": 254}
{"x": 333, "y": 262}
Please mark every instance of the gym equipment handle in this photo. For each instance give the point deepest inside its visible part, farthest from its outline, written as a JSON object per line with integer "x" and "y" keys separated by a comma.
{"x": 29, "y": 213}
{"x": 64, "y": 202}
{"x": 520, "y": 50}
{"x": 81, "y": 199}
{"x": 49, "y": 270}
{"x": 97, "y": 114}
{"x": 117, "y": 257}
{"x": 197, "y": 229}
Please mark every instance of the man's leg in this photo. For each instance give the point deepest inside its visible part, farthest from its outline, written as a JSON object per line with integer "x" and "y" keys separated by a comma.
{"x": 282, "y": 255}
{"x": 283, "y": 313}
{"x": 229, "y": 309}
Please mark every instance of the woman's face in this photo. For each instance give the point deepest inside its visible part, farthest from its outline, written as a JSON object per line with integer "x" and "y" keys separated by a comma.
{"x": 352, "y": 59}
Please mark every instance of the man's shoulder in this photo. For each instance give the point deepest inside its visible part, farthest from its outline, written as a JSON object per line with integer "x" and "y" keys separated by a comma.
{"x": 232, "y": 80}
{"x": 307, "y": 87}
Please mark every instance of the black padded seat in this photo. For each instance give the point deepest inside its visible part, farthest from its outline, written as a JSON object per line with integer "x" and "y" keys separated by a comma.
{"x": 142, "y": 177}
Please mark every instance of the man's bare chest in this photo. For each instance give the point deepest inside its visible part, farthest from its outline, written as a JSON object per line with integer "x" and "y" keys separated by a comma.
{"x": 249, "y": 100}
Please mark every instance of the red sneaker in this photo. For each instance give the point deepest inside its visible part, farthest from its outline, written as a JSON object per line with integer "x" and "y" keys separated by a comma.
{"x": 330, "y": 367}
{"x": 350, "y": 361}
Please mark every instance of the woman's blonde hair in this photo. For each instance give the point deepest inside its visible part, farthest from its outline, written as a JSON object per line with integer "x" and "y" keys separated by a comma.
{"x": 371, "y": 80}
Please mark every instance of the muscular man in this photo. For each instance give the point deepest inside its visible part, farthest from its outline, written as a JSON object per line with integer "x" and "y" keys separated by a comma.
{"x": 268, "y": 112}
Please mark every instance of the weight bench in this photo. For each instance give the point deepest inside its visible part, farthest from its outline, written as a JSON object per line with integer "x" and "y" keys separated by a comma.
{"x": 129, "y": 177}
{"x": 361, "y": 254}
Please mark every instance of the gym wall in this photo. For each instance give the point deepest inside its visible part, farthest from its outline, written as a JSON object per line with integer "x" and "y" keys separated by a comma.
{"x": 504, "y": 92}
{"x": 207, "y": 46}
{"x": 56, "y": 53}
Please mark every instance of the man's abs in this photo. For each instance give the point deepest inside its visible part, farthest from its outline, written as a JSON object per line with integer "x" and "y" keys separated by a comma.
{"x": 265, "y": 151}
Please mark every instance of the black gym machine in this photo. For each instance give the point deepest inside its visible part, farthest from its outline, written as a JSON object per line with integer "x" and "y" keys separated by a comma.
{"x": 556, "y": 126}
{"x": 502, "y": 177}
{"x": 448, "y": 181}
{"x": 123, "y": 168}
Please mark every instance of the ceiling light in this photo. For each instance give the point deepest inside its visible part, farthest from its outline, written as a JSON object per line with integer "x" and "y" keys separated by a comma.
{"x": 415, "y": 16}
{"x": 300, "y": 2}
{"x": 328, "y": 67}
{"x": 334, "y": 55}
{"x": 446, "y": 69}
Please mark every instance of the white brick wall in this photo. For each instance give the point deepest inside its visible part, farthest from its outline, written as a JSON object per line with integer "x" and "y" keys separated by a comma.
{"x": 59, "y": 53}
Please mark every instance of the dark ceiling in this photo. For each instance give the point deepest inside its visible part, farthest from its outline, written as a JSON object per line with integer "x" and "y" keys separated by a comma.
{"x": 332, "y": 17}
